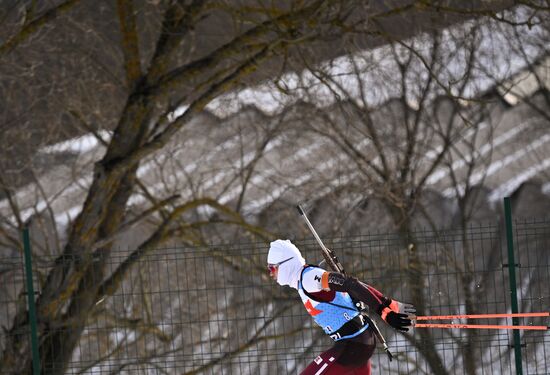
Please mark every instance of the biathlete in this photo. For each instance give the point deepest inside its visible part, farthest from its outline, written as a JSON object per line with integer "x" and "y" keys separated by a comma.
{"x": 330, "y": 298}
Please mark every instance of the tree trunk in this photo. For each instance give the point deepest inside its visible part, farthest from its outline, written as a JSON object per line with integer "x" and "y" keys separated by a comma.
{"x": 77, "y": 274}
{"x": 58, "y": 347}
{"x": 426, "y": 345}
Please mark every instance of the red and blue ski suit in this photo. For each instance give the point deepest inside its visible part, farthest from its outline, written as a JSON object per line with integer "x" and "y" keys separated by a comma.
{"x": 326, "y": 297}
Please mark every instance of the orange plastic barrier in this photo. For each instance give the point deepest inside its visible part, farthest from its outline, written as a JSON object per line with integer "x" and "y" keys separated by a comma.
{"x": 483, "y": 316}
{"x": 479, "y": 326}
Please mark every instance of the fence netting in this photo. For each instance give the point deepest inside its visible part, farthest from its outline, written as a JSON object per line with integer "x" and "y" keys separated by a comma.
{"x": 214, "y": 310}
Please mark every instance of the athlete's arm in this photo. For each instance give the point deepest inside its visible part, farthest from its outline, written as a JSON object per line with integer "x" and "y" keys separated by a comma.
{"x": 396, "y": 314}
{"x": 356, "y": 289}
{"x": 312, "y": 280}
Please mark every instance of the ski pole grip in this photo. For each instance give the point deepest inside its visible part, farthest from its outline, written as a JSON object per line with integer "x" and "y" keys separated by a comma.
{"x": 300, "y": 210}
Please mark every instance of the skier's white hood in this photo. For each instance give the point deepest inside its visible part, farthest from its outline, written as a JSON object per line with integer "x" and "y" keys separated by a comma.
{"x": 289, "y": 272}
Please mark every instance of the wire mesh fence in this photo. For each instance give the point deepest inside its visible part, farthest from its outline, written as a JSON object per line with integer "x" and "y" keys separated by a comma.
{"x": 214, "y": 310}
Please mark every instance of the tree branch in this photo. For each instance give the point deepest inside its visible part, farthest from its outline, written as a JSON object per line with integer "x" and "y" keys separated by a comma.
{"x": 33, "y": 26}
{"x": 235, "y": 47}
{"x": 196, "y": 106}
{"x": 130, "y": 42}
{"x": 159, "y": 236}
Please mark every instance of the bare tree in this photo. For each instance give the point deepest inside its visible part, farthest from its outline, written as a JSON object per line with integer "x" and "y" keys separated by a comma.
{"x": 146, "y": 124}
{"x": 138, "y": 75}
{"x": 429, "y": 125}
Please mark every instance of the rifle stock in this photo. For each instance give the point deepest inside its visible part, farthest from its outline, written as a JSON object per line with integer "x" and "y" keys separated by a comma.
{"x": 328, "y": 254}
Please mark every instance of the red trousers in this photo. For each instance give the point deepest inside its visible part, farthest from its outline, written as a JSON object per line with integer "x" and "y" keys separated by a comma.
{"x": 349, "y": 357}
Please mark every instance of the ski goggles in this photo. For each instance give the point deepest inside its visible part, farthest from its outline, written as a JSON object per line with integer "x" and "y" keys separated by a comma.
{"x": 272, "y": 267}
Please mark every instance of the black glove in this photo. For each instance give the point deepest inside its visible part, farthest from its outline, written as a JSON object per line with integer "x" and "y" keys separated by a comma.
{"x": 400, "y": 322}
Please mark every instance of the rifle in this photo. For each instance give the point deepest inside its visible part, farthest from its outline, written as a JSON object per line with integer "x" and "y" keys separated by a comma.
{"x": 334, "y": 263}
{"x": 328, "y": 254}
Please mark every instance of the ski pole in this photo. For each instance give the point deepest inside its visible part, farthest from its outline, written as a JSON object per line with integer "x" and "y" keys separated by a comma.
{"x": 480, "y": 326}
{"x": 483, "y": 316}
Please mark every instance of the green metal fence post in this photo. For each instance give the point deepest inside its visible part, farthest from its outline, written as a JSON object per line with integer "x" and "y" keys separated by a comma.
{"x": 30, "y": 296}
{"x": 513, "y": 285}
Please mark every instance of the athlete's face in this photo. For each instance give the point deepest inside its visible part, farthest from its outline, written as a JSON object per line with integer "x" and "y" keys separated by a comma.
{"x": 273, "y": 271}
{"x": 274, "y": 268}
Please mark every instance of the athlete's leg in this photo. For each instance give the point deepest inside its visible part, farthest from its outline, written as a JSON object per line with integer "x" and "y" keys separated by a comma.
{"x": 363, "y": 370}
{"x": 325, "y": 362}
{"x": 356, "y": 358}
{"x": 344, "y": 358}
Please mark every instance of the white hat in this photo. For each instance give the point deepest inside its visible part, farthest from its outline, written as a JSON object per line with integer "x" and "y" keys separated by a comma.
{"x": 289, "y": 271}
